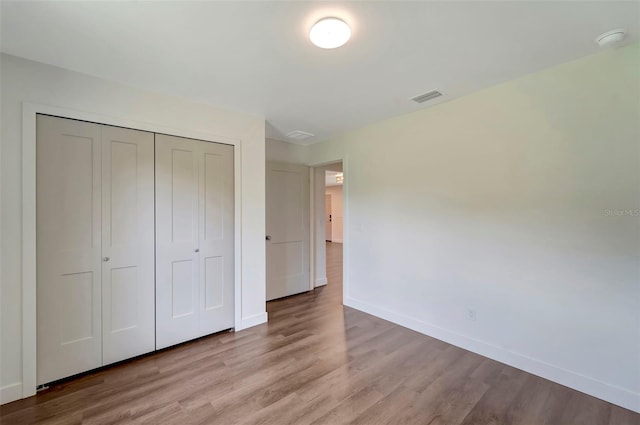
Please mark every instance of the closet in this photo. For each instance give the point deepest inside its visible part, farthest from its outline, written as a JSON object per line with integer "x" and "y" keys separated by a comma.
{"x": 116, "y": 210}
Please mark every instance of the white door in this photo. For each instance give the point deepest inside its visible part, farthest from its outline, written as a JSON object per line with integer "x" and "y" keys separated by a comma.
{"x": 216, "y": 237}
{"x": 69, "y": 337}
{"x": 327, "y": 218}
{"x": 194, "y": 239}
{"x": 176, "y": 240}
{"x": 287, "y": 194}
{"x": 128, "y": 267}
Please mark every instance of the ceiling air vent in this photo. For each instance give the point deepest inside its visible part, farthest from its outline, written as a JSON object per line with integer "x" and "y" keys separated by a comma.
{"x": 426, "y": 96}
{"x": 299, "y": 135}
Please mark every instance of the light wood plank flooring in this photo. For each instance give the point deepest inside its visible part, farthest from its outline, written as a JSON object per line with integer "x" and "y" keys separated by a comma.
{"x": 316, "y": 362}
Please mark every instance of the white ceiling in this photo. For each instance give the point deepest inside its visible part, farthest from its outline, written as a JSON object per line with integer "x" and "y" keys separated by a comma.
{"x": 256, "y": 57}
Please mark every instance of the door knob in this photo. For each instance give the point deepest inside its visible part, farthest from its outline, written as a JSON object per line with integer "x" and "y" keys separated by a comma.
{"x": 105, "y": 258}
{"x": 268, "y": 237}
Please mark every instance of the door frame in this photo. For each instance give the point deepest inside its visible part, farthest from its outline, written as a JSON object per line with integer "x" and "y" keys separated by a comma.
{"x": 318, "y": 210}
{"x": 29, "y": 261}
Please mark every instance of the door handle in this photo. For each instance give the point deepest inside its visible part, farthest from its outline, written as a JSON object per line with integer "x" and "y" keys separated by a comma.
{"x": 196, "y": 250}
{"x": 268, "y": 237}
{"x": 105, "y": 259}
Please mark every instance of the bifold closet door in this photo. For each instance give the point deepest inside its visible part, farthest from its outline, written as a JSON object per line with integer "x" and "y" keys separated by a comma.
{"x": 128, "y": 249}
{"x": 69, "y": 263}
{"x": 95, "y": 246}
{"x": 194, "y": 239}
{"x": 215, "y": 236}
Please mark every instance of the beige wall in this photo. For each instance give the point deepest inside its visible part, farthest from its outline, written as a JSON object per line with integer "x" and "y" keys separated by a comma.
{"x": 519, "y": 202}
{"x": 336, "y": 212}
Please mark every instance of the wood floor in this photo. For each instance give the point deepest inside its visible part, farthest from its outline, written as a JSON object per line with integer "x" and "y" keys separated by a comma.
{"x": 315, "y": 362}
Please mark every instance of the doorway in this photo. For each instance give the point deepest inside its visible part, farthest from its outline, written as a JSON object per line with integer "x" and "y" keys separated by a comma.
{"x": 333, "y": 195}
{"x": 328, "y": 230}
{"x": 334, "y": 218}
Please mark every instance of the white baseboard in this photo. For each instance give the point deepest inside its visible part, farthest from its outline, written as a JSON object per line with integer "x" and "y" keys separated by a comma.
{"x": 611, "y": 393}
{"x": 10, "y": 393}
{"x": 320, "y": 282}
{"x": 255, "y": 320}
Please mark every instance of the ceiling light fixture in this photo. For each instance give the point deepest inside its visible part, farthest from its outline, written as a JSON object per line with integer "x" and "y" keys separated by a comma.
{"x": 610, "y": 37}
{"x": 329, "y": 33}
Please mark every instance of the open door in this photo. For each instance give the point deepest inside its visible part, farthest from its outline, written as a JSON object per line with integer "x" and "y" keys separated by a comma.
{"x": 327, "y": 217}
{"x": 288, "y": 229}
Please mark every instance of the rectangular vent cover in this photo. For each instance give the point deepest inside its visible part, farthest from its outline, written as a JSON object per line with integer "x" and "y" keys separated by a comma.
{"x": 426, "y": 96}
{"x": 300, "y": 135}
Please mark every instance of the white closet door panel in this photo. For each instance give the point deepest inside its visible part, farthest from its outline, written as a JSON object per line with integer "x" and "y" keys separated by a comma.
{"x": 128, "y": 267}
{"x": 177, "y": 291}
{"x": 69, "y": 339}
{"x": 216, "y": 236}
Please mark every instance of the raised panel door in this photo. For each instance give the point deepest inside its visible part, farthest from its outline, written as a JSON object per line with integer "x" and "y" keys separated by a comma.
{"x": 216, "y": 237}
{"x": 177, "y": 271}
{"x": 69, "y": 336}
{"x": 128, "y": 266}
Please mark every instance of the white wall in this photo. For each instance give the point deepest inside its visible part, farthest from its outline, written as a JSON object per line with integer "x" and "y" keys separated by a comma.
{"x": 520, "y": 202}
{"x": 336, "y": 212}
{"x": 280, "y": 151}
{"x": 26, "y": 81}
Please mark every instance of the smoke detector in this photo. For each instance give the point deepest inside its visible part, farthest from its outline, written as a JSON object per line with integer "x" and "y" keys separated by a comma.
{"x": 611, "y": 37}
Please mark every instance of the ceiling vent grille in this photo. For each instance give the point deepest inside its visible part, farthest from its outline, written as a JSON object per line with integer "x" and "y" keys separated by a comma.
{"x": 300, "y": 135}
{"x": 426, "y": 96}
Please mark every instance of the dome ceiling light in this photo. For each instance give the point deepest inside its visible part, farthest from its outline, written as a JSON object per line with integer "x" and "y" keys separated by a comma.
{"x": 611, "y": 37}
{"x": 330, "y": 33}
